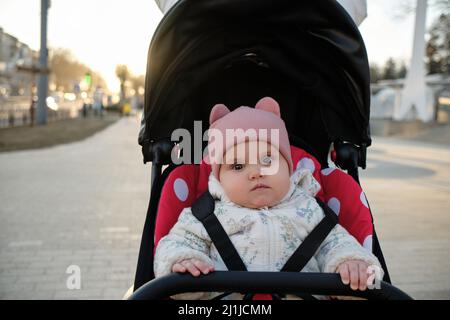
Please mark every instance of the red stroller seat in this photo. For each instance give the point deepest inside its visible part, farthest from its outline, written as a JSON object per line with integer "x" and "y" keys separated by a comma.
{"x": 344, "y": 196}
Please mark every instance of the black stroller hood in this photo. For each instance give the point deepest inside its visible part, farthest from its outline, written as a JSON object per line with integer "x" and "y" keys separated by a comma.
{"x": 308, "y": 55}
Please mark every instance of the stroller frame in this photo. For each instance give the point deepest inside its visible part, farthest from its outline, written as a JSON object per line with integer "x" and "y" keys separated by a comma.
{"x": 173, "y": 63}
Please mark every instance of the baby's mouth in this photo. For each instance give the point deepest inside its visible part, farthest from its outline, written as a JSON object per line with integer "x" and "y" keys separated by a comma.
{"x": 260, "y": 186}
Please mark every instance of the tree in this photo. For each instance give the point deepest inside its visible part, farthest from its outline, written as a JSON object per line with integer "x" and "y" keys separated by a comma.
{"x": 390, "y": 70}
{"x": 442, "y": 6}
{"x": 375, "y": 73}
{"x": 138, "y": 82}
{"x": 438, "y": 46}
{"x": 401, "y": 73}
{"x": 123, "y": 74}
{"x": 66, "y": 71}
{"x": 406, "y": 7}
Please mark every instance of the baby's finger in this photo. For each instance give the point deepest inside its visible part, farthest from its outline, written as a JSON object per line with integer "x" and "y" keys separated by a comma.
{"x": 362, "y": 276}
{"x": 345, "y": 275}
{"x": 204, "y": 267}
{"x": 177, "y": 267}
{"x": 191, "y": 268}
{"x": 354, "y": 276}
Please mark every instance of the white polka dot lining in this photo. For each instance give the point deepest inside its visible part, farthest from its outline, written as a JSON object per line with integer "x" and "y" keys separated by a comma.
{"x": 327, "y": 171}
{"x": 367, "y": 244}
{"x": 363, "y": 199}
{"x": 335, "y": 205}
{"x": 181, "y": 189}
{"x": 306, "y": 163}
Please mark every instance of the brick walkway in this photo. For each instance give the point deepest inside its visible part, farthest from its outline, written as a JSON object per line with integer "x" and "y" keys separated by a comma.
{"x": 84, "y": 204}
{"x": 78, "y": 204}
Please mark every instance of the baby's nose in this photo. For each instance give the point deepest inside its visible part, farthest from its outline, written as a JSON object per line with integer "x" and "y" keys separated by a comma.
{"x": 255, "y": 173}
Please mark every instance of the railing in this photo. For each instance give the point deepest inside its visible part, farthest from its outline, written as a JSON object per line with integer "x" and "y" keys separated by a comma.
{"x": 16, "y": 111}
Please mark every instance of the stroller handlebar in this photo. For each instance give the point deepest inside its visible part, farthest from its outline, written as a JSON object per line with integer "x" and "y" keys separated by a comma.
{"x": 262, "y": 282}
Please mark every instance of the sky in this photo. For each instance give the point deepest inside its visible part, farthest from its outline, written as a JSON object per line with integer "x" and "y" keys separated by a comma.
{"x": 388, "y": 32}
{"x": 100, "y": 33}
{"x": 104, "y": 33}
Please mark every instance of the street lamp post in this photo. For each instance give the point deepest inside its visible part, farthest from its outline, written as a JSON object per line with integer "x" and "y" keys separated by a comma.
{"x": 41, "y": 114}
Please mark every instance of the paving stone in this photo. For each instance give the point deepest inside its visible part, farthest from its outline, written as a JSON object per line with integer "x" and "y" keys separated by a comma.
{"x": 77, "y": 204}
{"x": 84, "y": 204}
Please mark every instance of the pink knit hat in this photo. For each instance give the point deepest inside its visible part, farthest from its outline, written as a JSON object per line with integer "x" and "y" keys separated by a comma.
{"x": 265, "y": 115}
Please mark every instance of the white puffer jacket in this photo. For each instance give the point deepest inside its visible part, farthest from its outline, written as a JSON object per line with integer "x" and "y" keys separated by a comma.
{"x": 265, "y": 238}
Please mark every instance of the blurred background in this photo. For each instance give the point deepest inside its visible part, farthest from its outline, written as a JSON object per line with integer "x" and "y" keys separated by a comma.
{"x": 96, "y": 56}
{"x": 74, "y": 192}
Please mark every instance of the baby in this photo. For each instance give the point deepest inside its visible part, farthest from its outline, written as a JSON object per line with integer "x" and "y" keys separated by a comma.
{"x": 266, "y": 208}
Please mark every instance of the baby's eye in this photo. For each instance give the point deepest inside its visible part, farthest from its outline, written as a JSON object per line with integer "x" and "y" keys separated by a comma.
{"x": 266, "y": 161}
{"x": 237, "y": 166}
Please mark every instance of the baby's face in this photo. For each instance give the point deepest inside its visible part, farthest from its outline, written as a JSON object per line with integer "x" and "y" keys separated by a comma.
{"x": 255, "y": 178}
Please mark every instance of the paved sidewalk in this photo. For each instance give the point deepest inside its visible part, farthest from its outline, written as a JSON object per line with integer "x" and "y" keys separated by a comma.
{"x": 408, "y": 187}
{"x": 78, "y": 204}
{"x": 84, "y": 204}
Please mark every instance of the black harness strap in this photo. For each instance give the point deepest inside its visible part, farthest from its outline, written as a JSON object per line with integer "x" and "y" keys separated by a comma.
{"x": 203, "y": 210}
{"x": 309, "y": 246}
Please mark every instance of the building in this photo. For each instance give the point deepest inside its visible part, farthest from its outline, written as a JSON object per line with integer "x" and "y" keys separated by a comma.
{"x": 14, "y": 53}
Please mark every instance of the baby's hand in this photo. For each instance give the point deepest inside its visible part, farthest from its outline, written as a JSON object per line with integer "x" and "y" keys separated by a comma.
{"x": 355, "y": 273}
{"x": 194, "y": 266}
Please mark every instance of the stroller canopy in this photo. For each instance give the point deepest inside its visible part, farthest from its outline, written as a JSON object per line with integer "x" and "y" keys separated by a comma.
{"x": 309, "y": 55}
{"x": 357, "y": 9}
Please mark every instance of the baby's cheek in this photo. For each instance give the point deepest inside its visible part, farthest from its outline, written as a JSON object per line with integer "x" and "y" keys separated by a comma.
{"x": 283, "y": 188}
{"x": 236, "y": 196}
{"x": 234, "y": 193}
